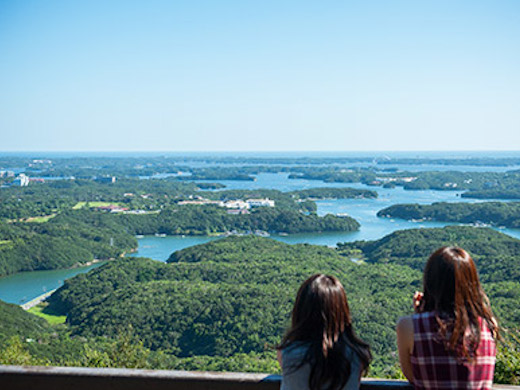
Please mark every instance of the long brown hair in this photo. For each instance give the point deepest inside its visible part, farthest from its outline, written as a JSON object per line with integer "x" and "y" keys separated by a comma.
{"x": 321, "y": 317}
{"x": 452, "y": 289}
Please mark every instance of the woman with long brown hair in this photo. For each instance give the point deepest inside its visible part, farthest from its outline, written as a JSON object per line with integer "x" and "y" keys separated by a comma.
{"x": 449, "y": 343}
{"x": 320, "y": 349}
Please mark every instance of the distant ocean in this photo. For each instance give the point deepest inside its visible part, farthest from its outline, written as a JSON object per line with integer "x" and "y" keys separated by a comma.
{"x": 278, "y": 154}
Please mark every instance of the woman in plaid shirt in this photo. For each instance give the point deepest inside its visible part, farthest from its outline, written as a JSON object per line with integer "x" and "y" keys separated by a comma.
{"x": 449, "y": 343}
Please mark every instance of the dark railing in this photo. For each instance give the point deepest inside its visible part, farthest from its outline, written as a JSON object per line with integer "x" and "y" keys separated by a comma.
{"x": 75, "y": 378}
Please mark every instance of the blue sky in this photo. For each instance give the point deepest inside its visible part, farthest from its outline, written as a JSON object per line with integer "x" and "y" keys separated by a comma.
{"x": 259, "y": 76}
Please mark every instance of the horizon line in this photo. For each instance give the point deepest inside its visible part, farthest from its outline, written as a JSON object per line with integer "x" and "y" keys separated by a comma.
{"x": 273, "y": 151}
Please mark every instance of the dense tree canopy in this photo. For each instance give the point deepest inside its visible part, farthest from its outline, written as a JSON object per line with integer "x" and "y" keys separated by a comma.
{"x": 333, "y": 193}
{"x": 15, "y": 321}
{"x": 505, "y": 214}
{"x": 497, "y": 255}
{"x": 221, "y": 305}
{"x": 69, "y": 239}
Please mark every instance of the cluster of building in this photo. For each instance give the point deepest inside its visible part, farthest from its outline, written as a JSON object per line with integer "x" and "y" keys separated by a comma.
{"x": 22, "y": 180}
{"x": 384, "y": 180}
{"x": 112, "y": 208}
{"x": 6, "y": 174}
{"x": 234, "y": 206}
{"x": 451, "y": 185}
{"x": 40, "y": 161}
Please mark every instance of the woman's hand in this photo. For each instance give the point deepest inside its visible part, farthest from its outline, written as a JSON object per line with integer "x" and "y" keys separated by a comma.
{"x": 418, "y": 302}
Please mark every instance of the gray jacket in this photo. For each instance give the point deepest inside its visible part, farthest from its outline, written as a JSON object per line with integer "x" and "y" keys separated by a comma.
{"x": 299, "y": 379}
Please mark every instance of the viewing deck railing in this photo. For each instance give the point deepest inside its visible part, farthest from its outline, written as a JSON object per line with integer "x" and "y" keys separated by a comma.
{"x": 75, "y": 378}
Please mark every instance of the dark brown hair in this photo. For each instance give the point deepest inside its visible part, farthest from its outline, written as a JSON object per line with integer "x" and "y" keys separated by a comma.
{"x": 452, "y": 289}
{"x": 321, "y": 317}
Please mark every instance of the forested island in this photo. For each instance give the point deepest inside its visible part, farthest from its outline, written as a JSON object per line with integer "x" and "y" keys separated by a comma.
{"x": 195, "y": 220}
{"x": 482, "y": 185}
{"x": 332, "y": 193}
{"x": 505, "y": 214}
{"x": 222, "y": 305}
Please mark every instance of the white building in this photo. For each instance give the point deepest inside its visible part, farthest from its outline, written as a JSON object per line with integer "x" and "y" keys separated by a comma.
{"x": 408, "y": 179}
{"x": 40, "y": 161}
{"x": 236, "y": 204}
{"x": 107, "y": 179}
{"x": 450, "y": 185}
{"x": 260, "y": 202}
{"x": 22, "y": 180}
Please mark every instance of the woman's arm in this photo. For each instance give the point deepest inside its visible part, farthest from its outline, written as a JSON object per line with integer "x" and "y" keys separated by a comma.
{"x": 405, "y": 345}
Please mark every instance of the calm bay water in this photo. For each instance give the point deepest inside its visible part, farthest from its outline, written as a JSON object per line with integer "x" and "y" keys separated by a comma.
{"x": 25, "y": 286}
{"x": 364, "y": 210}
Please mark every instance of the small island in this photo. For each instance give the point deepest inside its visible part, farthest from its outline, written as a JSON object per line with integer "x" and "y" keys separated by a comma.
{"x": 333, "y": 193}
{"x": 506, "y": 214}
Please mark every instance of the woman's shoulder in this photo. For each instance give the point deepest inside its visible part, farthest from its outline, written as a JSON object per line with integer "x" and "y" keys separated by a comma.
{"x": 425, "y": 314}
{"x": 409, "y": 326}
{"x": 405, "y": 323}
{"x": 423, "y": 318}
{"x": 296, "y": 345}
{"x": 296, "y": 349}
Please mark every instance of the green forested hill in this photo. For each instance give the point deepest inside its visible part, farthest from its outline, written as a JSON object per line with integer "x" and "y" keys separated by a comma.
{"x": 62, "y": 242}
{"x": 71, "y": 238}
{"x": 15, "y": 321}
{"x": 221, "y": 305}
{"x": 230, "y": 296}
{"x": 497, "y": 255}
{"x": 240, "y": 250}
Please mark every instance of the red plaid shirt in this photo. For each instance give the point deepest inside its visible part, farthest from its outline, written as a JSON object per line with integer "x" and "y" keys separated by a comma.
{"x": 436, "y": 368}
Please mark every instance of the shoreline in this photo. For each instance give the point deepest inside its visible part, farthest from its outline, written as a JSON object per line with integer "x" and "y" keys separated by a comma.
{"x": 39, "y": 299}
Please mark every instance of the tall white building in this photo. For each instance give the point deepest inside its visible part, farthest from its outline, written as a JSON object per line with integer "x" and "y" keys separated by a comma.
{"x": 22, "y": 180}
